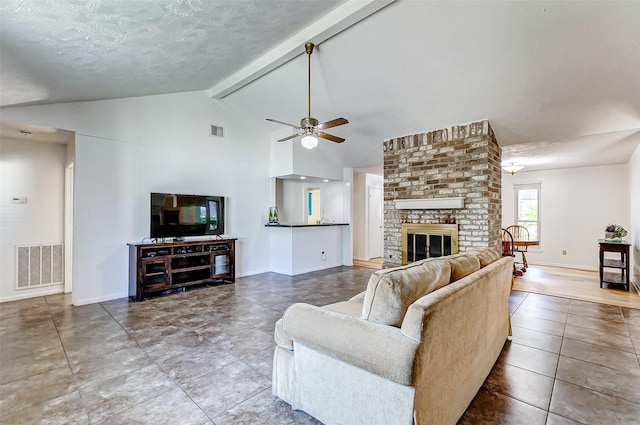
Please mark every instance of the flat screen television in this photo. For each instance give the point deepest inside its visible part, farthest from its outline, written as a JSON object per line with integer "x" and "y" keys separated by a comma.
{"x": 177, "y": 215}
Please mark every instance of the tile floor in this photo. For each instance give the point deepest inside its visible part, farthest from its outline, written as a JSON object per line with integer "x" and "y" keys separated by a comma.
{"x": 204, "y": 357}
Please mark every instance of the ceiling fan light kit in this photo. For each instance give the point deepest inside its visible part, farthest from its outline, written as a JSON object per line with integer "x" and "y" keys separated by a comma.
{"x": 309, "y": 142}
{"x": 310, "y": 128}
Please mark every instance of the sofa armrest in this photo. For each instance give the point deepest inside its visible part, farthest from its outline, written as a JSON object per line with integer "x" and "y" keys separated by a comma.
{"x": 358, "y": 298}
{"x": 380, "y": 349}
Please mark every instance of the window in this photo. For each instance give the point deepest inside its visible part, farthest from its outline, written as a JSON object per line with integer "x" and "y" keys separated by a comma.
{"x": 527, "y": 209}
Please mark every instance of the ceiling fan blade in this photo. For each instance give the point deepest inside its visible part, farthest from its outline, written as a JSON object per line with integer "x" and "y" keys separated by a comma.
{"x": 289, "y": 137}
{"x": 282, "y": 122}
{"x": 330, "y": 137}
{"x": 332, "y": 123}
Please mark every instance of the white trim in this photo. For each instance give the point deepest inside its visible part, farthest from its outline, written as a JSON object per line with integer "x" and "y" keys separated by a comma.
{"x": 564, "y": 266}
{"x": 35, "y": 292}
{"x": 311, "y": 269}
{"x": 103, "y": 298}
{"x": 429, "y": 203}
{"x": 68, "y": 229}
{"x": 516, "y": 208}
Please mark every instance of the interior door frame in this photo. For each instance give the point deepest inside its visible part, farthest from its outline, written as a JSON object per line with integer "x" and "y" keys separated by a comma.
{"x": 68, "y": 228}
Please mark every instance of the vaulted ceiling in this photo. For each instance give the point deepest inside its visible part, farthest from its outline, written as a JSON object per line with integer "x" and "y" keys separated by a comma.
{"x": 559, "y": 81}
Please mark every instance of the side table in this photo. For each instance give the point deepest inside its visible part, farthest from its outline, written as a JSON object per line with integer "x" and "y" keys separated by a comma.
{"x": 618, "y": 273}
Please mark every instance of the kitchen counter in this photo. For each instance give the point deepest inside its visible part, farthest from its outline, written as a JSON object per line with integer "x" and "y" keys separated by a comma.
{"x": 303, "y": 248}
{"x": 306, "y": 225}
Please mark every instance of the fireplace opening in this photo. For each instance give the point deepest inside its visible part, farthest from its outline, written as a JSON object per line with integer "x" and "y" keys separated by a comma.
{"x": 421, "y": 246}
{"x": 422, "y": 241}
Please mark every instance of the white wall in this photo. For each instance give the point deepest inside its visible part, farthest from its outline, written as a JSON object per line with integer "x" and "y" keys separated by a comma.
{"x": 281, "y": 154}
{"x": 36, "y": 171}
{"x": 317, "y": 162}
{"x": 289, "y": 157}
{"x": 347, "y": 214}
{"x": 359, "y": 215}
{"x": 576, "y": 205}
{"x": 297, "y": 250}
{"x": 333, "y": 202}
{"x": 291, "y": 196}
{"x": 126, "y": 148}
{"x": 634, "y": 196}
{"x": 362, "y": 182}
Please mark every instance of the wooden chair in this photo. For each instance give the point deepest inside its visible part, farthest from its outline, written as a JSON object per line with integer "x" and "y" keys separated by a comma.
{"x": 508, "y": 250}
{"x": 507, "y": 243}
{"x": 520, "y": 233}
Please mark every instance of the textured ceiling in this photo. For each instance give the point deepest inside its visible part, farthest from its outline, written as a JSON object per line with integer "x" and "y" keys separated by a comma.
{"x": 559, "y": 81}
{"x": 65, "y": 50}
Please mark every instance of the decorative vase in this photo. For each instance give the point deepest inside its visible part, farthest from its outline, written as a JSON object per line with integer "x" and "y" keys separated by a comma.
{"x": 273, "y": 215}
{"x": 609, "y": 235}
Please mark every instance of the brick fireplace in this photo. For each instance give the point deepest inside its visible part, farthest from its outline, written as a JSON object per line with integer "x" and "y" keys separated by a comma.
{"x": 461, "y": 162}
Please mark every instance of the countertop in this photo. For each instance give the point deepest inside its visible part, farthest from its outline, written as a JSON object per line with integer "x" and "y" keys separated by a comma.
{"x": 306, "y": 225}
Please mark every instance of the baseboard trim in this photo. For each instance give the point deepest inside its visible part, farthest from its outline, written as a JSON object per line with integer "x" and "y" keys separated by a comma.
{"x": 308, "y": 270}
{"x": 104, "y": 298}
{"x": 565, "y": 266}
{"x": 42, "y": 292}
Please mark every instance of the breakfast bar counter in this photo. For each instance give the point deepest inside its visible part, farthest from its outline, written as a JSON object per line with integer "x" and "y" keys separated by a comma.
{"x": 306, "y": 225}
{"x": 303, "y": 248}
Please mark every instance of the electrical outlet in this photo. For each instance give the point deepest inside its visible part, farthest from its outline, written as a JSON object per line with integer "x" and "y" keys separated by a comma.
{"x": 564, "y": 252}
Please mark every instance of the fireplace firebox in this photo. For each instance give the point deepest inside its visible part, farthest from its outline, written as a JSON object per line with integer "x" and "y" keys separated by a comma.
{"x": 421, "y": 241}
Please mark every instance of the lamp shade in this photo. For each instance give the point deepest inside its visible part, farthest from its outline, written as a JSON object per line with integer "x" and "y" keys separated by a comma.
{"x": 309, "y": 142}
{"x": 512, "y": 168}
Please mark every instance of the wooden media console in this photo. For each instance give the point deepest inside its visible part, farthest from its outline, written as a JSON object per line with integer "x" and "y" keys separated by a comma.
{"x": 159, "y": 267}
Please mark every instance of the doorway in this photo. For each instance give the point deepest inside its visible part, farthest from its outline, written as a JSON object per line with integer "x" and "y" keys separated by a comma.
{"x": 313, "y": 205}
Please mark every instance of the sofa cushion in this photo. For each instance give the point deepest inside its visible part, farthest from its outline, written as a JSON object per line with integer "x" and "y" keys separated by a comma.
{"x": 390, "y": 292}
{"x": 349, "y": 308}
{"x": 463, "y": 264}
{"x": 486, "y": 255}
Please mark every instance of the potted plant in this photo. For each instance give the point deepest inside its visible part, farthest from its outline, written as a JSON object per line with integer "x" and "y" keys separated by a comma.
{"x": 614, "y": 232}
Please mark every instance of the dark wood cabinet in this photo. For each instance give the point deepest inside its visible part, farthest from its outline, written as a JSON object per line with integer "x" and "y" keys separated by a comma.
{"x": 159, "y": 267}
{"x": 614, "y": 271}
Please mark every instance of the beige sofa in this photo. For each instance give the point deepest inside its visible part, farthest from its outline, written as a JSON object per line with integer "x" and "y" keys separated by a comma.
{"x": 414, "y": 348}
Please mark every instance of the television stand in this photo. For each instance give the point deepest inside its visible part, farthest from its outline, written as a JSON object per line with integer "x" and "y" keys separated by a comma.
{"x": 169, "y": 266}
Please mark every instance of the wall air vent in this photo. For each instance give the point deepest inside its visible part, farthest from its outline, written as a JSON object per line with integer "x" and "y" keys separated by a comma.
{"x": 39, "y": 265}
{"x": 217, "y": 131}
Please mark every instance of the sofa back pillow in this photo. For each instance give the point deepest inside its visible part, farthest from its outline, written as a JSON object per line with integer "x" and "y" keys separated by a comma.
{"x": 486, "y": 255}
{"x": 390, "y": 292}
{"x": 463, "y": 265}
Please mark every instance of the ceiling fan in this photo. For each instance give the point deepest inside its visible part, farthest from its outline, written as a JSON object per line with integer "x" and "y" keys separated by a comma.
{"x": 309, "y": 126}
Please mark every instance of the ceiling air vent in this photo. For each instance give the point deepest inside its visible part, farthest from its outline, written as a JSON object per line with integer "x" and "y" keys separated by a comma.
{"x": 217, "y": 131}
